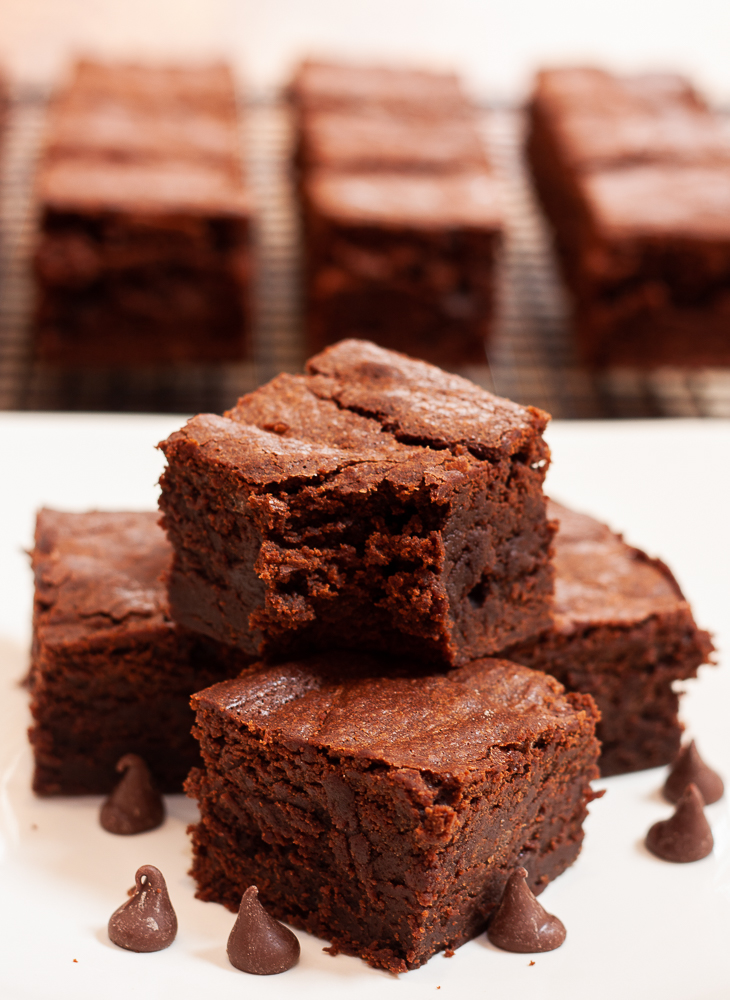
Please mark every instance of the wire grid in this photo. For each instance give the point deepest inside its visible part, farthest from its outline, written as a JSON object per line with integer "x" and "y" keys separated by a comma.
{"x": 530, "y": 358}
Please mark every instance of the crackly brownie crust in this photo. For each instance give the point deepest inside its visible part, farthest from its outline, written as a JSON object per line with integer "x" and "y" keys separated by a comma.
{"x": 634, "y": 174}
{"x": 374, "y": 503}
{"x": 383, "y": 812}
{"x": 110, "y": 672}
{"x": 623, "y": 633}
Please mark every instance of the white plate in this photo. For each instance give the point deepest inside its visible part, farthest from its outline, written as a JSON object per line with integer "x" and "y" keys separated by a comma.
{"x": 637, "y": 927}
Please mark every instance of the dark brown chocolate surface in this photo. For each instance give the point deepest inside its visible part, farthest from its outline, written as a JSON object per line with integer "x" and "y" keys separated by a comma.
{"x": 520, "y": 923}
{"x": 375, "y": 502}
{"x": 145, "y": 922}
{"x": 143, "y": 252}
{"x": 110, "y": 672}
{"x": 686, "y": 836}
{"x": 135, "y": 805}
{"x": 622, "y": 632}
{"x": 362, "y": 800}
{"x": 258, "y": 944}
{"x": 634, "y": 174}
{"x": 690, "y": 769}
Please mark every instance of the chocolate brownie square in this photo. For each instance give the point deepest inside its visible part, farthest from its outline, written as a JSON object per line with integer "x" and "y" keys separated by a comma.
{"x": 405, "y": 260}
{"x": 385, "y": 812}
{"x": 374, "y": 503}
{"x": 624, "y": 634}
{"x": 634, "y": 175}
{"x": 143, "y": 251}
{"x": 110, "y": 672}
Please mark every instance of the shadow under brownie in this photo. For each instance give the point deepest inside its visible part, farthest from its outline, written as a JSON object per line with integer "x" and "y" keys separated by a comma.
{"x": 385, "y": 812}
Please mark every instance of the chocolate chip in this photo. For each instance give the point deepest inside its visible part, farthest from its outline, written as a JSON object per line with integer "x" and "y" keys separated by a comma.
{"x": 690, "y": 768}
{"x": 147, "y": 921}
{"x": 519, "y": 923}
{"x": 258, "y": 943}
{"x": 135, "y": 805}
{"x": 685, "y": 836}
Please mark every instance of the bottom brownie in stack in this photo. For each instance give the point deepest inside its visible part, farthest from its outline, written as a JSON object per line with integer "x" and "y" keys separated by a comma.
{"x": 110, "y": 672}
{"x": 385, "y": 812}
{"x": 623, "y": 633}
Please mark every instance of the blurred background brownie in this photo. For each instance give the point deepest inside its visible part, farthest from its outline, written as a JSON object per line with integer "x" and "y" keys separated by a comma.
{"x": 144, "y": 252}
{"x": 634, "y": 175}
{"x": 110, "y": 672}
{"x": 401, "y": 212}
{"x": 405, "y": 261}
{"x": 623, "y": 633}
{"x": 385, "y": 812}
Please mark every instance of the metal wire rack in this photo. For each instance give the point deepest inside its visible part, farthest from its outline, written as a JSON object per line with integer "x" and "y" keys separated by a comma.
{"x": 530, "y": 358}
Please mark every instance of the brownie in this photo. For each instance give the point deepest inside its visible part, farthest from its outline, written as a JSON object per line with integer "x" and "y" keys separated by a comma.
{"x": 373, "y": 503}
{"x": 124, "y": 132}
{"x": 364, "y": 140}
{"x": 623, "y": 633}
{"x": 184, "y": 88}
{"x": 401, "y": 212}
{"x": 634, "y": 175}
{"x": 406, "y": 260}
{"x": 143, "y": 256}
{"x": 321, "y": 85}
{"x": 385, "y": 812}
{"x": 110, "y": 672}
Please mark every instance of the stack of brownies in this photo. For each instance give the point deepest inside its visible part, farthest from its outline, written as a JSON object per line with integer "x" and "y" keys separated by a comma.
{"x": 363, "y": 558}
{"x": 634, "y": 175}
{"x": 143, "y": 252}
{"x": 400, "y": 208}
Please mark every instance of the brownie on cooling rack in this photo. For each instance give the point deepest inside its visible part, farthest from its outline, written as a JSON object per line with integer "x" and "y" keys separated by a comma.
{"x": 634, "y": 175}
{"x": 401, "y": 212}
{"x": 623, "y": 633}
{"x": 110, "y": 672}
{"x": 323, "y": 85}
{"x": 143, "y": 252}
{"x": 385, "y": 812}
{"x": 407, "y": 261}
{"x": 374, "y": 503}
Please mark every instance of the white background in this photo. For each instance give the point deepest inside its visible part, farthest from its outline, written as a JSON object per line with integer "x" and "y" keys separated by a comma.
{"x": 496, "y": 44}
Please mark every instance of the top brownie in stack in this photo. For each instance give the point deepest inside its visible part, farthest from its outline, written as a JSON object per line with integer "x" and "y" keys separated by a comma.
{"x": 634, "y": 174}
{"x": 143, "y": 254}
{"x": 373, "y": 503}
{"x": 401, "y": 211}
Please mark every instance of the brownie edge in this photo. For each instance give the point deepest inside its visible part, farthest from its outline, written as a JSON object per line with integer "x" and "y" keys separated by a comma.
{"x": 385, "y": 812}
